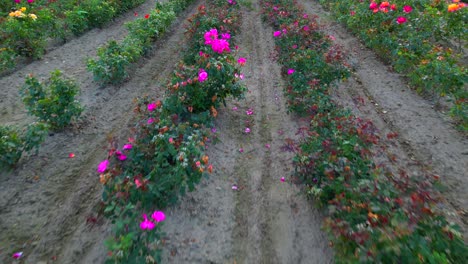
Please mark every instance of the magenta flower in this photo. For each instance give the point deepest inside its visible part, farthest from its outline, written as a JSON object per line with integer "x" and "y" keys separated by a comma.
{"x": 407, "y": 9}
{"x": 282, "y": 179}
{"x": 211, "y": 36}
{"x": 234, "y": 187}
{"x": 102, "y": 167}
{"x": 30, "y": 1}
{"x": 267, "y": 146}
{"x": 220, "y": 45}
{"x": 202, "y": 75}
{"x": 17, "y": 255}
{"x": 146, "y": 224}
{"x": 305, "y": 16}
{"x": 373, "y": 5}
{"x": 213, "y": 130}
{"x": 158, "y": 216}
{"x": 18, "y": 1}
{"x": 306, "y": 28}
{"x": 152, "y": 107}
{"x": 249, "y": 111}
{"x": 150, "y": 121}
{"x": 242, "y": 61}
{"x": 275, "y": 8}
{"x": 247, "y": 130}
{"x": 290, "y": 71}
{"x": 241, "y": 150}
{"x": 225, "y": 36}
{"x": 120, "y": 155}
{"x": 171, "y": 141}
{"x": 234, "y": 108}
{"x": 276, "y": 33}
{"x": 401, "y": 20}
{"x": 127, "y": 147}
{"x": 201, "y": 53}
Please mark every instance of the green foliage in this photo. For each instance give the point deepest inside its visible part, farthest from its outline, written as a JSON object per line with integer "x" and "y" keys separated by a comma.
{"x": 166, "y": 158}
{"x": 125, "y": 5}
{"x": 426, "y": 48}
{"x": 52, "y": 102}
{"x": 147, "y": 30}
{"x": 132, "y": 243}
{"x": 21, "y": 35}
{"x": 374, "y": 216}
{"x": 14, "y": 142}
{"x": 115, "y": 58}
{"x": 26, "y": 33}
{"x": 7, "y": 59}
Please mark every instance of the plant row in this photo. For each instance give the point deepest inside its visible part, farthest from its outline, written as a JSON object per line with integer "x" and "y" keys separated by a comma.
{"x": 27, "y": 26}
{"x": 114, "y": 59}
{"x": 53, "y": 102}
{"x": 166, "y": 157}
{"x": 422, "y": 39}
{"x": 374, "y": 216}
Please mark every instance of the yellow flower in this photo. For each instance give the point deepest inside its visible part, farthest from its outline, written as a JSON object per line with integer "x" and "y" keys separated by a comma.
{"x": 33, "y": 16}
{"x": 12, "y": 14}
{"x": 453, "y": 7}
{"x": 23, "y": 9}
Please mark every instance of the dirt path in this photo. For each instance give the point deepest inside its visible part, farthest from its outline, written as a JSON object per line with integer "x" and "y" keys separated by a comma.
{"x": 264, "y": 220}
{"x": 427, "y": 140}
{"x": 48, "y": 204}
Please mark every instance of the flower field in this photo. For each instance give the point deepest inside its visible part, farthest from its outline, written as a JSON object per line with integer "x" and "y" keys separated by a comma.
{"x": 225, "y": 131}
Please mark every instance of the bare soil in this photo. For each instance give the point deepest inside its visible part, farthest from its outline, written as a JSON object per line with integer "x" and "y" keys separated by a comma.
{"x": 49, "y": 203}
{"x": 264, "y": 220}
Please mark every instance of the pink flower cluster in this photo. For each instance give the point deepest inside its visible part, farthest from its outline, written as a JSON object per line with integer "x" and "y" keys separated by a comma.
{"x": 147, "y": 224}
{"x": 29, "y": 1}
{"x": 102, "y": 167}
{"x": 385, "y": 7}
{"x": 218, "y": 45}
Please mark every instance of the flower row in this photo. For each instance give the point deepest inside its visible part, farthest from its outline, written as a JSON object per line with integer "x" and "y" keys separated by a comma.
{"x": 374, "y": 215}
{"x": 27, "y": 26}
{"x": 166, "y": 157}
{"x": 422, "y": 39}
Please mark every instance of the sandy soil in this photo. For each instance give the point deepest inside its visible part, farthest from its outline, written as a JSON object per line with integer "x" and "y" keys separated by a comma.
{"x": 264, "y": 220}
{"x": 48, "y": 204}
{"x": 426, "y": 142}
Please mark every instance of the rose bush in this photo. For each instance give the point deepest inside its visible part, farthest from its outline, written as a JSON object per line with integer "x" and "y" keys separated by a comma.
{"x": 165, "y": 157}
{"x": 374, "y": 216}
{"x": 422, "y": 39}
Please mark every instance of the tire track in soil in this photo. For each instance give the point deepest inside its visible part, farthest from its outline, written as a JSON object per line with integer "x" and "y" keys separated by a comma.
{"x": 265, "y": 220}
{"x": 426, "y": 142}
{"x": 45, "y": 202}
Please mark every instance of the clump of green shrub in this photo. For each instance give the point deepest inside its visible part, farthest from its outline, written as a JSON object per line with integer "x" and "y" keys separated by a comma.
{"x": 54, "y": 101}
{"x": 14, "y": 142}
{"x": 115, "y": 58}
